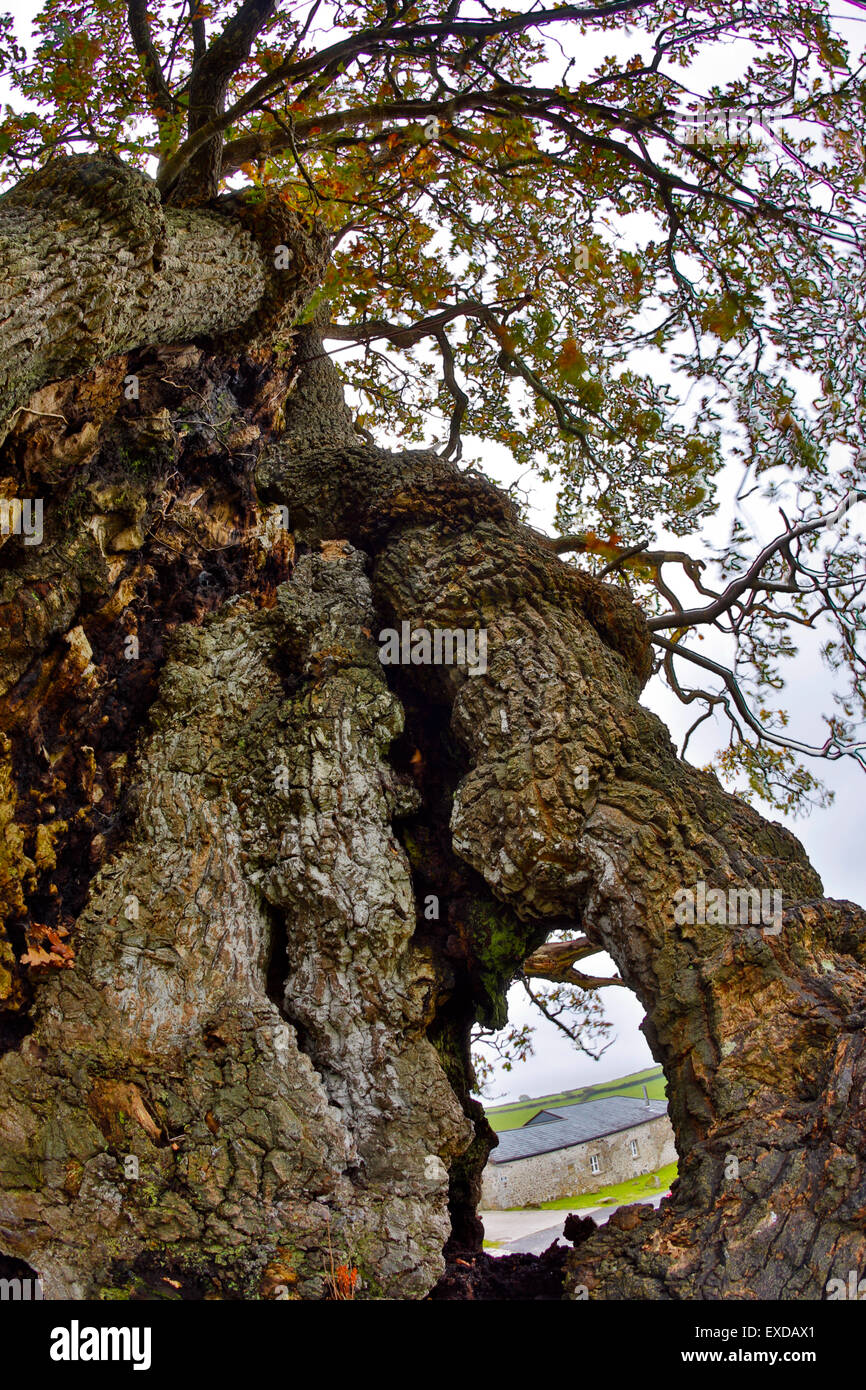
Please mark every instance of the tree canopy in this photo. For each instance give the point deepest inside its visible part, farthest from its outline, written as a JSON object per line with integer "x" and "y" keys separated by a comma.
{"x": 548, "y": 233}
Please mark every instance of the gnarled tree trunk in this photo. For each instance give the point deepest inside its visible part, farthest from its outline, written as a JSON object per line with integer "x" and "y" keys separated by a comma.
{"x": 292, "y": 877}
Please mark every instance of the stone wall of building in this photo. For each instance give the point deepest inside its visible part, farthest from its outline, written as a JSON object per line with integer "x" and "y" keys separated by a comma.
{"x": 565, "y": 1172}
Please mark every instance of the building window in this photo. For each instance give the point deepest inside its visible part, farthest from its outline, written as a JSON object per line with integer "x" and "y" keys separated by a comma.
{"x": 594, "y": 1163}
{"x": 634, "y": 1148}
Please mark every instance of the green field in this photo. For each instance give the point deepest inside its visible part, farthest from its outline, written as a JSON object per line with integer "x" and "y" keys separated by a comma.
{"x": 620, "y": 1194}
{"x": 516, "y": 1113}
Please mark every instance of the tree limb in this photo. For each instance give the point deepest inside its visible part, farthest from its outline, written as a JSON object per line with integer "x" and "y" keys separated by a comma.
{"x": 158, "y": 90}
{"x": 554, "y": 961}
{"x": 751, "y": 579}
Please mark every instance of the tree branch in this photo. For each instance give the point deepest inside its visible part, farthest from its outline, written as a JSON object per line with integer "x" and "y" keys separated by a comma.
{"x": 831, "y": 749}
{"x": 554, "y": 961}
{"x": 573, "y": 1032}
{"x": 197, "y": 174}
{"x": 157, "y": 87}
{"x": 432, "y": 327}
{"x": 690, "y": 617}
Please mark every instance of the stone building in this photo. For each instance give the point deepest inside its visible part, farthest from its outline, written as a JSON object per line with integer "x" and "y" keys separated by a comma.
{"x": 577, "y": 1148}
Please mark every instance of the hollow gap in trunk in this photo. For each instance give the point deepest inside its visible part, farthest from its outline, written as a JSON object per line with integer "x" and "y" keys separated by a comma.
{"x": 14, "y": 1028}
{"x": 276, "y": 962}
{"x": 19, "y": 1280}
{"x": 477, "y": 942}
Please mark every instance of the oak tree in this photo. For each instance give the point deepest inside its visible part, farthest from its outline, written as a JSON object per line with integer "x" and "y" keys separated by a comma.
{"x": 223, "y": 815}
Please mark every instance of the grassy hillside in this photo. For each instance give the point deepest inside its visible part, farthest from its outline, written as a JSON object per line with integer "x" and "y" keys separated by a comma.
{"x": 516, "y": 1113}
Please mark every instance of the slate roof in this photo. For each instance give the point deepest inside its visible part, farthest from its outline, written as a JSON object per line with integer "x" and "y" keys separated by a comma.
{"x": 575, "y": 1124}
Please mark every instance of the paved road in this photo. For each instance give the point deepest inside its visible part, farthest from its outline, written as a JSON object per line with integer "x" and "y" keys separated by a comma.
{"x": 528, "y": 1232}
